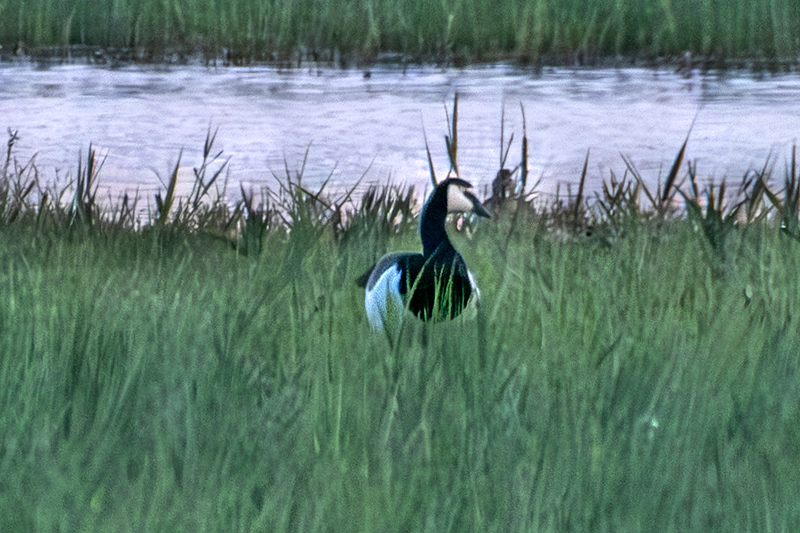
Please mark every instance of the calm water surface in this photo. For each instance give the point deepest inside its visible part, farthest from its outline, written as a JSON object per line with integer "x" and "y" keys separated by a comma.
{"x": 353, "y": 125}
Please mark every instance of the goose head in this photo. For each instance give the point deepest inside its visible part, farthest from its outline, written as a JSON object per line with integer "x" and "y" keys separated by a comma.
{"x": 461, "y": 198}
{"x": 453, "y": 195}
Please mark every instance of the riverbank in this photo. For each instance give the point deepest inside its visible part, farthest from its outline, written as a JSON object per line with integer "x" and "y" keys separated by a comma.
{"x": 685, "y": 62}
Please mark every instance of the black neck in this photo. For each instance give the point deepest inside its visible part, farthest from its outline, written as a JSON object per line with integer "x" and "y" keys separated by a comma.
{"x": 431, "y": 225}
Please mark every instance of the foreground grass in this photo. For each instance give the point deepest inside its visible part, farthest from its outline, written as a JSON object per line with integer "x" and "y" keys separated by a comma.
{"x": 165, "y": 384}
{"x": 633, "y": 366}
{"x": 529, "y": 30}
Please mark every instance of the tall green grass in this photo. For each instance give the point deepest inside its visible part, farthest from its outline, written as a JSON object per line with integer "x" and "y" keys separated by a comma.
{"x": 466, "y": 29}
{"x": 633, "y": 366}
{"x": 146, "y": 386}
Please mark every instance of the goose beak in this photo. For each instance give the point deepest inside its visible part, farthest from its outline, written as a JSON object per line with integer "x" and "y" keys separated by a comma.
{"x": 477, "y": 207}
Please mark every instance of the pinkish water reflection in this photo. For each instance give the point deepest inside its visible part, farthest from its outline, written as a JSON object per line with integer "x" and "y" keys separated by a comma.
{"x": 143, "y": 117}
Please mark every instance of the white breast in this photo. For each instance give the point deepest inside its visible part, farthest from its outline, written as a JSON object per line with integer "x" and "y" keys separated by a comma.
{"x": 384, "y": 303}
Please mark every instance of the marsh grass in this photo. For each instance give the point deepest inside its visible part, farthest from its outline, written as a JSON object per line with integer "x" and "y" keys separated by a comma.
{"x": 607, "y": 384}
{"x": 463, "y": 30}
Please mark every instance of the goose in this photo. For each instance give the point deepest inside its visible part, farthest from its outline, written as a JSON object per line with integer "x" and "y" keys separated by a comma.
{"x": 433, "y": 285}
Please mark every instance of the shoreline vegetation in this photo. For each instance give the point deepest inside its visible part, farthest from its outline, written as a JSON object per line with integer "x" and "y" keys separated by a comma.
{"x": 705, "y": 33}
{"x": 633, "y": 365}
{"x": 682, "y": 194}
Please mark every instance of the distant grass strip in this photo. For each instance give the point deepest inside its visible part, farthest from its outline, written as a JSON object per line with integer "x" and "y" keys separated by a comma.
{"x": 530, "y": 30}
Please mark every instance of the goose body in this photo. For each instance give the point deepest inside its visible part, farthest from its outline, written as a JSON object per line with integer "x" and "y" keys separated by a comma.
{"x": 433, "y": 285}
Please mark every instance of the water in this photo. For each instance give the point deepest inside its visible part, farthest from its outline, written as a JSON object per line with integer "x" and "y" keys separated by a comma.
{"x": 371, "y": 127}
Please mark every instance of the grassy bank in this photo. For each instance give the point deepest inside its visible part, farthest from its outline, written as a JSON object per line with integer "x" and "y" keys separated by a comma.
{"x": 633, "y": 367}
{"x": 462, "y": 29}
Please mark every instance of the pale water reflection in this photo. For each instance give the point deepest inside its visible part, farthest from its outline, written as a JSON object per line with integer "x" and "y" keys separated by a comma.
{"x": 353, "y": 125}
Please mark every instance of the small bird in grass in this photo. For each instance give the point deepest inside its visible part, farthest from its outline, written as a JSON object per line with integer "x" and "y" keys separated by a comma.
{"x": 434, "y": 285}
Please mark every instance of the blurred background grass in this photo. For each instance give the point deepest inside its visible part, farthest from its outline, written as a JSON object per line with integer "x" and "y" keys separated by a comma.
{"x": 470, "y": 30}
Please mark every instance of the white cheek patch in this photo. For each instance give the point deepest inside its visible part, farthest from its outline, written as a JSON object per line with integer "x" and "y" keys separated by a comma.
{"x": 384, "y": 303}
{"x": 457, "y": 201}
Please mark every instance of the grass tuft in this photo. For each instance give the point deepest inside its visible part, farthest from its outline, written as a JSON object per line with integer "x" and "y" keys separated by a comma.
{"x": 84, "y": 204}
